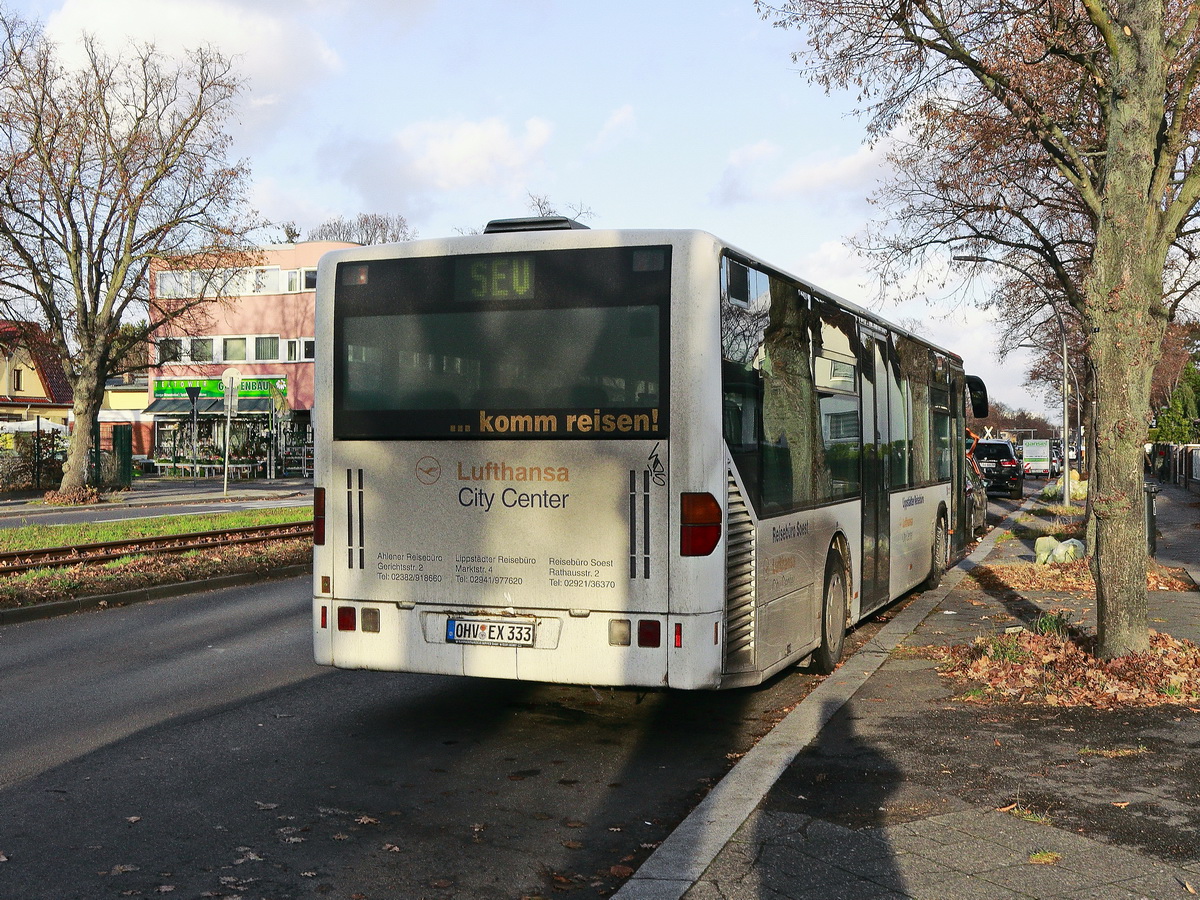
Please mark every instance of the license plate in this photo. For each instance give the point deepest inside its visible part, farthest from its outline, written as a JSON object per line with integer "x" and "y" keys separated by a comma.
{"x": 497, "y": 632}
{"x": 988, "y": 465}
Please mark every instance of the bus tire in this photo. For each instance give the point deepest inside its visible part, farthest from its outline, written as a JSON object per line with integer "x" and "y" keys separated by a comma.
{"x": 939, "y": 555}
{"x": 835, "y": 611}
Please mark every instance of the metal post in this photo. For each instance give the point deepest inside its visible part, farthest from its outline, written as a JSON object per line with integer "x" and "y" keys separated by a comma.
{"x": 193, "y": 392}
{"x": 1066, "y": 419}
{"x": 1151, "y": 518}
{"x": 37, "y": 454}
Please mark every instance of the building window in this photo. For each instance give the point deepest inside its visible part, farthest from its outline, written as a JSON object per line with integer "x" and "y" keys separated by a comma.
{"x": 234, "y": 349}
{"x": 310, "y": 279}
{"x": 176, "y": 283}
{"x": 266, "y": 349}
{"x": 202, "y": 350}
{"x": 18, "y": 380}
{"x": 264, "y": 281}
{"x": 170, "y": 350}
{"x": 301, "y": 349}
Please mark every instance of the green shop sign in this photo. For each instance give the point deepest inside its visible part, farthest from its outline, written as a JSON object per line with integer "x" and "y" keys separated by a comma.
{"x": 250, "y": 386}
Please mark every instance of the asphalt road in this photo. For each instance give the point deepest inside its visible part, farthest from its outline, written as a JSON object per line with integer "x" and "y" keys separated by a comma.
{"x": 190, "y": 747}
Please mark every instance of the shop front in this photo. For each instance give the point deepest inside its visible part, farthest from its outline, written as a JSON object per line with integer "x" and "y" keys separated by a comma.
{"x": 193, "y": 426}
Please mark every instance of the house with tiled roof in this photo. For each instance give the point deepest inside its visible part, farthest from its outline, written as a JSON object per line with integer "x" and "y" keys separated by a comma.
{"x": 32, "y": 379}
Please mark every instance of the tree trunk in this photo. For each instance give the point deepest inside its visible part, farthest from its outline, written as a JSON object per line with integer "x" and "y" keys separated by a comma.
{"x": 1124, "y": 300}
{"x": 89, "y": 395}
{"x": 1128, "y": 330}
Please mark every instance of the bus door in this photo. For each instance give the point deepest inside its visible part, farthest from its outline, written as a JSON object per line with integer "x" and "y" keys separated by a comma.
{"x": 876, "y": 514}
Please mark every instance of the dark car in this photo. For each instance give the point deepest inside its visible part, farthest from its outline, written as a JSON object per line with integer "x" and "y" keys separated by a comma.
{"x": 976, "y": 494}
{"x": 1002, "y": 471}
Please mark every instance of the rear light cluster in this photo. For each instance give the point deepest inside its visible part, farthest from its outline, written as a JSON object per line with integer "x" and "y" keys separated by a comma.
{"x": 700, "y": 524}
{"x": 620, "y": 632}
{"x": 348, "y": 619}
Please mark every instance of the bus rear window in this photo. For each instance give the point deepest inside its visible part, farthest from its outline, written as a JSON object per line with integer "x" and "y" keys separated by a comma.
{"x": 550, "y": 344}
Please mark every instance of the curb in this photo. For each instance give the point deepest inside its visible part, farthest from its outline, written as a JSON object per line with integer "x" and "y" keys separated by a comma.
{"x": 682, "y": 859}
{"x": 143, "y": 595}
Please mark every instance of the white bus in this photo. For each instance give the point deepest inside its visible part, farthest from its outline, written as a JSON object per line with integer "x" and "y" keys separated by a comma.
{"x": 635, "y": 458}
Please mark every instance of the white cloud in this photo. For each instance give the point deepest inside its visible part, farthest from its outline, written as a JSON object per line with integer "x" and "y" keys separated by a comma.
{"x": 855, "y": 174}
{"x": 621, "y": 122}
{"x": 281, "y": 55}
{"x": 430, "y": 165}
{"x": 458, "y": 154}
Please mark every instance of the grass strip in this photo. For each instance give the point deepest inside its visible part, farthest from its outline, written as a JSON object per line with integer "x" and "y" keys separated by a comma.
{"x": 38, "y": 537}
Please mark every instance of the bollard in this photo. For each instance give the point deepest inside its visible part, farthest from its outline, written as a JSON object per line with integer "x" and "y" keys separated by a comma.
{"x": 1151, "y": 518}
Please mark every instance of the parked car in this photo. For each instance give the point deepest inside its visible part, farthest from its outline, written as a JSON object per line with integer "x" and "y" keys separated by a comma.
{"x": 1002, "y": 471}
{"x": 1055, "y": 463}
{"x": 977, "y": 499}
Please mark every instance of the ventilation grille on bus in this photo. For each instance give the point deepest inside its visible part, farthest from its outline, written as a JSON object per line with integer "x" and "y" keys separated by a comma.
{"x": 739, "y": 584}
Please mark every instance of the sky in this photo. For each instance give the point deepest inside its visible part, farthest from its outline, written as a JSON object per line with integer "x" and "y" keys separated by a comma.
{"x": 648, "y": 113}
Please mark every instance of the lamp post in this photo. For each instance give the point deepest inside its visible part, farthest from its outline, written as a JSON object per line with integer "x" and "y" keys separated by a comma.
{"x": 231, "y": 379}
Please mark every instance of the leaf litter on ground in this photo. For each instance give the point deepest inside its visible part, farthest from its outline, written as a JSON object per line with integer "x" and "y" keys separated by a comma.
{"x": 1062, "y": 670}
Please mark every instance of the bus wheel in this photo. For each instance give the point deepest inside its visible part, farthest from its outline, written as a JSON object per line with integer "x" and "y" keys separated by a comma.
{"x": 834, "y": 612}
{"x": 940, "y": 556}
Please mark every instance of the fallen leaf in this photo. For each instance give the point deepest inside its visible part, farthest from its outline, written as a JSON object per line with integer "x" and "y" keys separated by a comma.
{"x": 573, "y": 845}
{"x": 262, "y": 805}
{"x": 1188, "y": 887}
{"x": 391, "y": 848}
{"x": 1122, "y": 804}
{"x": 620, "y": 871}
{"x": 1008, "y": 808}
{"x": 366, "y": 820}
{"x": 133, "y": 819}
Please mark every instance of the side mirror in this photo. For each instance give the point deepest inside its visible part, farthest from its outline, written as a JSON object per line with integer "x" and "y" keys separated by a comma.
{"x": 977, "y": 391}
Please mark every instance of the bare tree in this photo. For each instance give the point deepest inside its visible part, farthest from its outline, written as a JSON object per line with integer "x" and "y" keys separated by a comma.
{"x": 365, "y": 228}
{"x": 542, "y": 205}
{"x": 291, "y": 232}
{"x": 108, "y": 169}
{"x": 1051, "y": 146}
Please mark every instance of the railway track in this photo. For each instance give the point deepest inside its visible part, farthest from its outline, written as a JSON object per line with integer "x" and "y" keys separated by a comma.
{"x": 57, "y": 557}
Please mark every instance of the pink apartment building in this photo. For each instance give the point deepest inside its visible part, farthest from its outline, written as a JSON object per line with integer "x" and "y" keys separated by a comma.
{"x": 266, "y": 332}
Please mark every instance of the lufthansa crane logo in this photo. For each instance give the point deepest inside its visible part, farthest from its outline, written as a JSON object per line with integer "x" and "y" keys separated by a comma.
{"x": 428, "y": 470}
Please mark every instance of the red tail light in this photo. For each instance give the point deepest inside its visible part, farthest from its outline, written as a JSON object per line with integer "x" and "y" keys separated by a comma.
{"x": 700, "y": 528}
{"x": 319, "y": 517}
{"x": 649, "y": 633}
{"x": 347, "y": 618}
